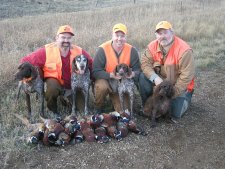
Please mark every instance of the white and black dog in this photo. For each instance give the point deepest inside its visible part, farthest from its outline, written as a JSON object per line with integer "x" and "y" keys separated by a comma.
{"x": 80, "y": 80}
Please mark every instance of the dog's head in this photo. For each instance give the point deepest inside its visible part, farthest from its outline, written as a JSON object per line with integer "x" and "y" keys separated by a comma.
{"x": 123, "y": 70}
{"x": 157, "y": 69}
{"x": 165, "y": 89}
{"x": 80, "y": 64}
{"x": 25, "y": 71}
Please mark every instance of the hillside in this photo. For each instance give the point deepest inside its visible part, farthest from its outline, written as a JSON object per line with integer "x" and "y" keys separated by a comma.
{"x": 197, "y": 141}
{"x": 20, "y": 8}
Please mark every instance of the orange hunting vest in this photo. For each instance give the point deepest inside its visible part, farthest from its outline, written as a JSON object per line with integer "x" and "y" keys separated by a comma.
{"x": 53, "y": 63}
{"x": 175, "y": 52}
{"x": 111, "y": 59}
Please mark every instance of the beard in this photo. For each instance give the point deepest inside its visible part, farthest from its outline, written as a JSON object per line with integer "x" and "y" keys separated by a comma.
{"x": 166, "y": 42}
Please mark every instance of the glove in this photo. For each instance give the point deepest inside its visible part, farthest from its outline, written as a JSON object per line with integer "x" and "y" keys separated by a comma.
{"x": 157, "y": 80}
{"x": 113, "y": 76}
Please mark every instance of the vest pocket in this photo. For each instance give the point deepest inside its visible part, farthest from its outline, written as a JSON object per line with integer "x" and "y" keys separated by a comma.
{"x": 51, "y": 66}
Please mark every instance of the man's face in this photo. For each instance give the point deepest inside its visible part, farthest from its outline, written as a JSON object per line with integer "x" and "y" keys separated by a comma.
{"x": 164, "y": 37}
{"x": 64, "y": 40}
{"x": 119, "y": 39}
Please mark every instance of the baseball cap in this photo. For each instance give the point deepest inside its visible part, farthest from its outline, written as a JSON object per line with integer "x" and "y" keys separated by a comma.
{"x": 120, "y": 27}
{"x": 65, "y": 29}
{"x": 163, "y": 25}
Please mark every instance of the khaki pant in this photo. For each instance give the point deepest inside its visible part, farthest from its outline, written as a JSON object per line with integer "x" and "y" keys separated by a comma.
{"x": 54, "y": 90}
{"x": 102, "y": 89}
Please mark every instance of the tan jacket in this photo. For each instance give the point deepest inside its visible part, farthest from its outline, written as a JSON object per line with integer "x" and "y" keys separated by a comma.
{"x": 180, "y": 71}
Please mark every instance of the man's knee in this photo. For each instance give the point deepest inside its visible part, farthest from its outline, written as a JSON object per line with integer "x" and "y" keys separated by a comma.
{"x": 101, "y": 85}
{"x": 181, "y": 104}
{"x": 101, "y": 89}
{"x": 53, "y": 88}
{"x": 114, "y": 97}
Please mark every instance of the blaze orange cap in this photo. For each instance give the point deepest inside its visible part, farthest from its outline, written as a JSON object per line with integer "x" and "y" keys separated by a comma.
{"x": 65, "y": 29}
{"x": 163, "y": 25}
{"x": 120, "y": 27}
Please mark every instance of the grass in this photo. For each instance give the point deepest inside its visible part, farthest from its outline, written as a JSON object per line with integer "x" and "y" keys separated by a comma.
{"x": 200, "y": 23}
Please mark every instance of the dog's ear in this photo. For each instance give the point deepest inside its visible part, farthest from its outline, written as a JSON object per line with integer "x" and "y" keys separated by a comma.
{"x": 157, "y": 70}
{"x": 116, "y": 69}
{"x": 74, "y": 65}
{"x": 129, "y": 71}
{"x": 157, "y": 89}
{"x": 87, "y": 65}
{"x": 33, "y": 72}
{"x": 171, "y": 91}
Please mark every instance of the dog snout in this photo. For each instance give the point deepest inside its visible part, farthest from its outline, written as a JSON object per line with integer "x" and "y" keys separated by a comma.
{"x": 82, "y": 66}
{"x": 121, "y": 72}
{"x": 21, "y": 74}
{"x": 17, "y": 76}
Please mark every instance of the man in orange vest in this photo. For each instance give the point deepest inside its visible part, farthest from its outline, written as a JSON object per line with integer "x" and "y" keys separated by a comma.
{"x": 168, "y": 57}
{"x": 108, "y": 56}
{"x": 55, "y": 61}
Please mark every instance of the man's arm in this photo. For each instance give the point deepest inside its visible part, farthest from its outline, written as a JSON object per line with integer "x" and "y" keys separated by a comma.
{"x": 36, "y": 58}
{"x": 99, "y": 65}
{"x": 135, "y": 62}
{"x": 186, "y": 71}
{"x": 147, "y": 66}
{"x": 90, "y": 59}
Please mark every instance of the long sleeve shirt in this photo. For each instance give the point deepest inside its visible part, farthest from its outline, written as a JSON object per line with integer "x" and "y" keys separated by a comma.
{"x": 38, "y": 58}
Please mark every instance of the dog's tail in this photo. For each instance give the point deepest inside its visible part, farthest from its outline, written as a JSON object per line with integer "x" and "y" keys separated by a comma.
{"x": 24, "y": 120}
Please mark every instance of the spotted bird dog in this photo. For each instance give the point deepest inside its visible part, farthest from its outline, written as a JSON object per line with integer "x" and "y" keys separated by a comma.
{"x": 80, "y": 80}
{"x": 30, "y": 81}
{"x": 125, "y": 86}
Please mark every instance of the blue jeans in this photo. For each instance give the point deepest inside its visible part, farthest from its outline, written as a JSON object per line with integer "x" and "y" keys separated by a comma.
{"x": 181, "y": 103}
{"x": 145, "y": 87}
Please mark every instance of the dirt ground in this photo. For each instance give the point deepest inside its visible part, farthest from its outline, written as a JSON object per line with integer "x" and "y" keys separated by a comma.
{"x": 196, "y": 142}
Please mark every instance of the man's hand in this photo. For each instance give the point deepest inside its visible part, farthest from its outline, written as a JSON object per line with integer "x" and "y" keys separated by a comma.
{"x": 113, "y": 76}
{"x": 157, "y": 80}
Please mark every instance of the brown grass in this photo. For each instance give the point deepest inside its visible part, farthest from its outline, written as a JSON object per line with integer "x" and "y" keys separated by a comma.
{"x": 200, "y": 23}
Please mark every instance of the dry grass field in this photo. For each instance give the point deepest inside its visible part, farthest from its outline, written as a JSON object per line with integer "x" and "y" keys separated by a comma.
{"x": 196, "y": 142}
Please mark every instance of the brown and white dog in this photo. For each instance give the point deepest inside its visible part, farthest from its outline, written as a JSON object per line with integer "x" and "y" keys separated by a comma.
{"x": 124, "y": 86}
{"x": 30, "y": 81}
{"x": 80, "y": 80}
